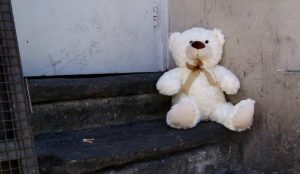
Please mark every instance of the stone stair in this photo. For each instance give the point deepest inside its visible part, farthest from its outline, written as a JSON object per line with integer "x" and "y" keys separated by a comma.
{"x": 62, "y": 104}
{"x": 118, "y": 145}
{"x": 125, "y": 117}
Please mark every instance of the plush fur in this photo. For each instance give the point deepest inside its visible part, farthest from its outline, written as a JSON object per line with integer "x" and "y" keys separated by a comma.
{"x": 204, "y": 101}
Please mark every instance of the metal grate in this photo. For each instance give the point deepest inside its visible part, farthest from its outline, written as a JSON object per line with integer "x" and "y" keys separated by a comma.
{"x": 17, "y": 154}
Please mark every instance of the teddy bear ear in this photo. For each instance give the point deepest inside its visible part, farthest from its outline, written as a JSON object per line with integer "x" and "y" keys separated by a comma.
{"x": 218, "y": 33}
{"x": 173, "y": 39}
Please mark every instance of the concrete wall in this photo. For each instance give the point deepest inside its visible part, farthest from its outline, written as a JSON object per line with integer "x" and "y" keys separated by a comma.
{"x": 261, "y": 37}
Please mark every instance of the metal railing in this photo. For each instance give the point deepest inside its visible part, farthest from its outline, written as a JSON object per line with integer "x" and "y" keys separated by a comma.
{"x": 17, "y": 155}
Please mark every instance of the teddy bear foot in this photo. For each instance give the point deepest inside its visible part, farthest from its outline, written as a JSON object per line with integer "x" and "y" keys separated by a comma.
{"x": 243, "y": 115}
{"x": 183, "y": 115}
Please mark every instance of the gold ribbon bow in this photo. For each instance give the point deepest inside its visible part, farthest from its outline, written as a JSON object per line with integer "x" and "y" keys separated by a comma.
{"x": 195, "y": 72}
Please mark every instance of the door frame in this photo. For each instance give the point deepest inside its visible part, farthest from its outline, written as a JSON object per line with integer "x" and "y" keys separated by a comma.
{"x": 162, "y": 33}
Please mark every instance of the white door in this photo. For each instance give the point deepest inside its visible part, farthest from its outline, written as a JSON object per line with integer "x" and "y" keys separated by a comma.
{"x": 66, "y": 37}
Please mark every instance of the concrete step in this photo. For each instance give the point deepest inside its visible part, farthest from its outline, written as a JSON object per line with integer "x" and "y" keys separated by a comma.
{"x": 80, "y": 102}
{"x": 221, "y": 158}
{"x": 88, "y": 113}
{"x": 117, "y": 145}
{"x": 73, "y": 88}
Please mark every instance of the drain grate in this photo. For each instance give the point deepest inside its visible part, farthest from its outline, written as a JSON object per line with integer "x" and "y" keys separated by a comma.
{"x": 17, "y": 154}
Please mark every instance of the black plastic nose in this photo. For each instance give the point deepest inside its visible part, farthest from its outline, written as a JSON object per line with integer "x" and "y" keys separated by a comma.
{"x": 198, "y": 45}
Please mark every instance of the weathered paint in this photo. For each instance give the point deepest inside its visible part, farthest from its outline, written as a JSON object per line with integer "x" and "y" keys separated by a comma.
{"x": 261, "y": 37}
{"x": 62, "y": 37}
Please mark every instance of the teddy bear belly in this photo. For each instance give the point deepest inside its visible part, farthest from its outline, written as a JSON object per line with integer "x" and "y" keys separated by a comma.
{"x": 208, "y": 99}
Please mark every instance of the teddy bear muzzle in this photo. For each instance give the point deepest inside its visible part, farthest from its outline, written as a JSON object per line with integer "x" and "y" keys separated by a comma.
{"x": 196, "y": 50}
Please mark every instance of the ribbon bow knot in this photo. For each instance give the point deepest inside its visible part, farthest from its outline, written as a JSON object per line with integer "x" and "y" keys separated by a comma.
{"x": 195, "y": 72}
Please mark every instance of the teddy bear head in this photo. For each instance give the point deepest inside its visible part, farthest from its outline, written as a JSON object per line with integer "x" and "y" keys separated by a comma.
{"x": 197, "y": 43}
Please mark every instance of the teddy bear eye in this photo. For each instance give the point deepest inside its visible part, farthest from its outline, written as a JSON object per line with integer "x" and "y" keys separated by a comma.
{"x": 191, "y": 42}
{"x": 206, "y": 41}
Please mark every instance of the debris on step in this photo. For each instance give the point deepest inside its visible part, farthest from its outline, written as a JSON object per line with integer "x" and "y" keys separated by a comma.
{"x": 88, "y": 140}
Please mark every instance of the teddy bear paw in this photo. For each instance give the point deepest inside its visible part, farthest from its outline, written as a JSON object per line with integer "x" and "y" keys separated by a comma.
{"x": 243, "y": 115}
{"x": 183, "y": 115}
{"x": 170, "y": 88}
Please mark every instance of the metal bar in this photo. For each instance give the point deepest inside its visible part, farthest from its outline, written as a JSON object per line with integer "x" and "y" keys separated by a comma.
{"x": 289, "y": 70}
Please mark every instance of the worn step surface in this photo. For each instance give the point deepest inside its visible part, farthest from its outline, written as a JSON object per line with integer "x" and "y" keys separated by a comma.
{"x": 75, "y": 103}
{"x": 88, "y": 113}
{"x": 74, "y": 88}
{"x": 222, "y": 158}
{"x": 118, "y": 145}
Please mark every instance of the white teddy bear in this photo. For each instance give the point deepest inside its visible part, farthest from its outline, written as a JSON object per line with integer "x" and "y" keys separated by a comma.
{"x": 198, "y": 83}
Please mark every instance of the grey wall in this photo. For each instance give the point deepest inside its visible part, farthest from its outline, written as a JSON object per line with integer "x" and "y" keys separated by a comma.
{"x": 261, "y": 37}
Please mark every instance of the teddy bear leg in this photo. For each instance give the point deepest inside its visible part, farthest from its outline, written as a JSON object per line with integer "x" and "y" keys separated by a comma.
{"x": 183, "y": 115}
{"x": 235, "y": 117}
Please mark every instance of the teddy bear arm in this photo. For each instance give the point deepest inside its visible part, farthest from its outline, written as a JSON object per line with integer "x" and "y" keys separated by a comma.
{"x": 229, "y": 83}
{"x": 169, "y": 83}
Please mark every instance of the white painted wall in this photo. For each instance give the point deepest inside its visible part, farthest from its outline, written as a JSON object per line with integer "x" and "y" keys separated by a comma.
{"x": 63, "y": 37}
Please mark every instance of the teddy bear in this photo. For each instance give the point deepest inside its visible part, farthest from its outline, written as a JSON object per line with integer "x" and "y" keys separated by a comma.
{"x": 197, "y": 85}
